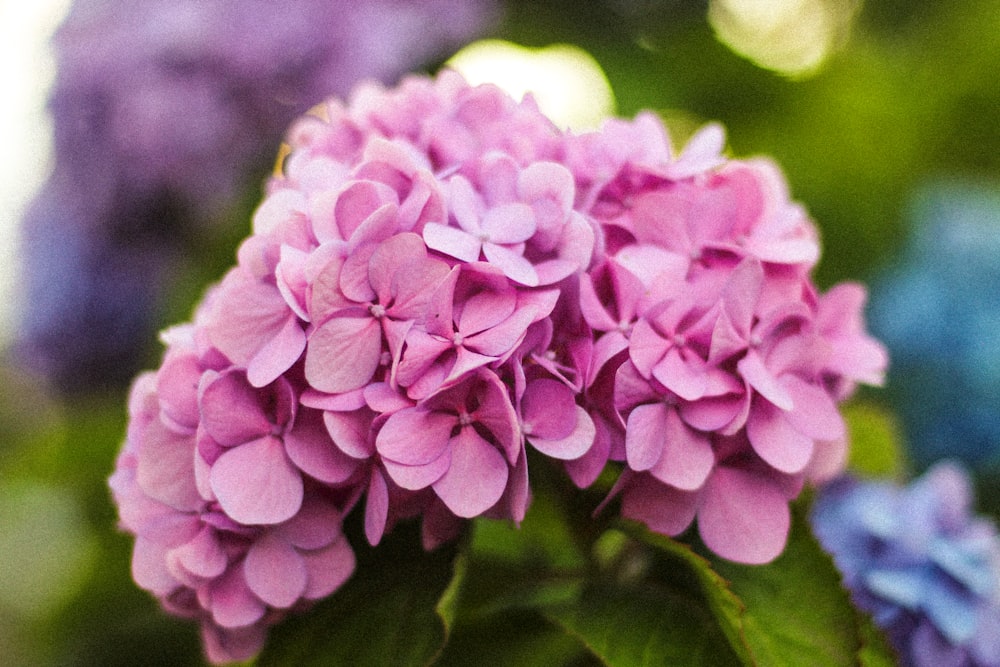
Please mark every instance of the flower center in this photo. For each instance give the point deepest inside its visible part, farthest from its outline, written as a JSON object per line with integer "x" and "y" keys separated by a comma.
{"x": 464, "y": 419}
{"x": 377, "y": 310}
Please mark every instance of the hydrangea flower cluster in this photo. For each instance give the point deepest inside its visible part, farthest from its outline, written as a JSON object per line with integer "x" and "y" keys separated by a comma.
{"x": 913, "y": 556}
{"x": 166, "y": 112}
{"x": 442, "y": 280}
{"x": 933, "y": 311}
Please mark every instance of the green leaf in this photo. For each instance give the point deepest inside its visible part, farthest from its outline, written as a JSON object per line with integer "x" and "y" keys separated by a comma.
{"x": 726, "y": 607}
{"x": 395, "y": 611}
{"x": 518, "y": 638}
{"x": 646, "y": 624}
{"x": 796, "y": 610}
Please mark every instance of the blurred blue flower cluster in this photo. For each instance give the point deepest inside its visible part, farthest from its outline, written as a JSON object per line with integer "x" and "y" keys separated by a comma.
{"x": 914, "y": 556}
{"x": 167, "y": 115}
{"x": 938, "y": 311}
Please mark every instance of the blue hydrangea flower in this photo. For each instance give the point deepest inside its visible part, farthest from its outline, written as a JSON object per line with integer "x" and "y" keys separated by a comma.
{"x": 166, "y": 112}
{"x": 938, "y": 312}
{"x": 927, "y": 570}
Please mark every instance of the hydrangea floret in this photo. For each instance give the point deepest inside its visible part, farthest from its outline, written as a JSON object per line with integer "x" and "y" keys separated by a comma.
{"x": 920, "y": 561}
{"x": 440, "y": 280}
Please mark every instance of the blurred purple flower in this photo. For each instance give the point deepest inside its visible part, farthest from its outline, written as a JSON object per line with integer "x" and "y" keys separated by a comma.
{"x": 166, "y": 113}
{"x": 914, "y": 556}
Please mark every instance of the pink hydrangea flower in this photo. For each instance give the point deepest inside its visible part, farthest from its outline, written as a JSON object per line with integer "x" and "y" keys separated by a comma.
{"x": 439, "y": 281}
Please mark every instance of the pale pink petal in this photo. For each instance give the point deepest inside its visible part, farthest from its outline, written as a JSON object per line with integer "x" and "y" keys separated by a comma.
{"x": 775, "y": 439}
{"x": 278, "y": 354}
{"x": 412, "y": 286}
{"x": 328, "y": 569}
{"x": 513, "y": 264}
{"x": 476, "y": 478}
{"x": 652, "y": 263}
{"x": 291, "y": 280}
{"x": 149, "y": 567}
{"x": 165, "y": 468}
{"x": 343, "y": 354}
{"x": 177, "y": 388}
{"x": 256, "y": 483}
{"x": 415, "y": 436}
{"x": 753, "y": 370}
{"x": 687, "y": 457}
{"x": 605, "y": 349}
{"x": 440, "y": 309}
{"x": 743, "y": 516}
{"x": 508, "y": 223}
{"x": 784, "y": 251}
{"x": 572, "y": 446}
{"x": 245, "y": 315}
{"x": 358, "y": 201}
{"x": 376, "y": 507}
{"x": 202, "y": 556}
{"x": 451, "y": 241}
{"x": 354, "y": 279}
{"x": 463, "y": 202}
{"x": 346, "y": 402}
{"x": 275, "y": 572}
{"x": 420, "y": 353}
{"x": 631, "y": 389}
{"x": 702, "y": 152}
{"x": 388, "y": 257}
{"x": 232, "y": 603}
{"x": 644, "y": 435}
{"x": 224, "y": 645}
{"x": 815, "y": 413}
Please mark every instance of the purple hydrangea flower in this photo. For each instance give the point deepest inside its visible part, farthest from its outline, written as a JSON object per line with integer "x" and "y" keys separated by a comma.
{"x": 164, "y": 114}
{"x": 440, "y": 279}
{"x": 914, "y": 556}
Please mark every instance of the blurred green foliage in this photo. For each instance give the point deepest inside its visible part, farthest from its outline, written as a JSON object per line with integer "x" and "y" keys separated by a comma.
{"x": 910, "y": 96}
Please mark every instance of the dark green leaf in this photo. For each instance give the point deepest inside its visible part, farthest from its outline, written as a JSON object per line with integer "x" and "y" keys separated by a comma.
{"x": 647, "y": 624}
{"x": 394, "y": 611}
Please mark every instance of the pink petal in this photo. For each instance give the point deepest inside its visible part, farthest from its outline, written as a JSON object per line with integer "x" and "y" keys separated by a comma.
{"x": 278, "y": 354}
{"x": 351, "y": 432}
{"x": 232, "y": 411}
{"x": 328, "y": 569}
{"x": 593, "y": 307}
{"x": 743, "y": 517}
{"x": 644, "y": 435}
{"x": 815, "y": 413}
{"x": 685, "y": 375}
{"x": 497, "y": 414}
{"x": 275, "y": 572}
{"x": 645, "y": 348}
{"x": 388, "y": 257}
{"x": 485, "y": 310}
{"x": 453, "y": 242}
{"x": 316, "y": 525}
{"x": 415, "y": 436}
{"x": 753, "y": 370}
{"x": 343, "y": 354}
{"x": 376, "y": 507}
{"x": 775, "y": 439}
{"x": 548, "y": 408}
{"x": 177, "y": 388}
{"x": 165, "y": 468}
{"x": 421, "y": 352}
{"x": 414, "y": 478}
{"x": 256, "y": 483}
{"x": 664, "y": 509}
{"x": 244, "y": 316}
{"x": 309, "y": 447}
{"x": 149, "y": 567}
{"x": 463, "y": 202}
{"x": 202, "y": 556}
{"x": 232, "y": 603}
{"x": 513, "y": 264}
{"x": 357, "y": 202}
{"x": 509, "y": 223}
{"x": 354, "y": 279}
{"x": 476, "y": 478}
{"x": 687, "y": 457}
{"x": 712, "y": 413}
{"x": 585, "y": 470}
{"x": 572, "y": 446}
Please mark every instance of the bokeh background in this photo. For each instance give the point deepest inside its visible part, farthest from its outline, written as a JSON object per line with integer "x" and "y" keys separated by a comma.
{"x": 885, "y": 116}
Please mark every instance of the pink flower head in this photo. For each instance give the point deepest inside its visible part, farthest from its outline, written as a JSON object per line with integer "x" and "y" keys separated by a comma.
{"x": 440, "y": 283}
